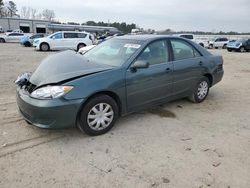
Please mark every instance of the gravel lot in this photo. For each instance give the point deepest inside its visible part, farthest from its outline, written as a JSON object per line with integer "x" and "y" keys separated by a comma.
{"x": 178, "y": 145}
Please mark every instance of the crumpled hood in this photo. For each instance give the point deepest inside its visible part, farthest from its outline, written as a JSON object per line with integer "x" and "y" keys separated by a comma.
{"x": 63, "y": 66}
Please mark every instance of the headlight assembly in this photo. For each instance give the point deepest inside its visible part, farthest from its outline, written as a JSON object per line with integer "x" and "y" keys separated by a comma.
{"x": 50, "y": 92}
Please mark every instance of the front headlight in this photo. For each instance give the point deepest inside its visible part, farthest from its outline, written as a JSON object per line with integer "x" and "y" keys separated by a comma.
{"x": 50, "y": 92}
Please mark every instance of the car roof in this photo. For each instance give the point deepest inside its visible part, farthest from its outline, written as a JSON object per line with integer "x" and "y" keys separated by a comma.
{"x": 145, "y": 37}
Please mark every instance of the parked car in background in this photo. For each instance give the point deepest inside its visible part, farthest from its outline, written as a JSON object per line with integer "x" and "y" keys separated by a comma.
{"x": 11, "y": 37}
{"x": 240, "y": 45}
{"x": 220, "y": 42}
{"x": 27, "y": 41}
{"x": 117, "y": 77}
{"x": 63, "y": 40}
{"x": 1, "y": 30}
{"x": 201, "y": 41}
{"x": 14, "y": 31}
{"x": 83, "y": 50}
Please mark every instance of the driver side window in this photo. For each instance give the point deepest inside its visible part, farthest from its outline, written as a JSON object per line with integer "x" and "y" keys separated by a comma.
{"x": 155, "y": 53}
{"x": 57, "y": 36}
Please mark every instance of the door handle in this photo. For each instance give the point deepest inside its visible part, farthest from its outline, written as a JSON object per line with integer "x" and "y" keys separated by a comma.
{"x": 168, "y": 69}
{"x": 200, "y": 63}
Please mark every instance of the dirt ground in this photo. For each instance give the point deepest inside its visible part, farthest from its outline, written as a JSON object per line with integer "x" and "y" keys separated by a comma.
{"x": 178, "y": 145}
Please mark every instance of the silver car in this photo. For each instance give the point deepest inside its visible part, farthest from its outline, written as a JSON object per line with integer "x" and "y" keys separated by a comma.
{"x": 11, "y": 37}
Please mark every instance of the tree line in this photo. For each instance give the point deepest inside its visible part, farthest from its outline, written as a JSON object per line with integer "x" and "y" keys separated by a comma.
{"x": 9, "y": 9}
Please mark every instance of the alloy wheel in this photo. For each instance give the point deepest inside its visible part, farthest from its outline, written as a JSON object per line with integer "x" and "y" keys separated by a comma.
{"x": 202, "y": 90}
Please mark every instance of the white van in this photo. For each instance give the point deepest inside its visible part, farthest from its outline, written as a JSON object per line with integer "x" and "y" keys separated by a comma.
{"x": 63, "y": 40}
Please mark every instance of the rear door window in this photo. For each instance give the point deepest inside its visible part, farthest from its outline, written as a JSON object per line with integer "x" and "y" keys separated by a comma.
{"x": 81, "y": 35}
{"x": 183, "y": 50}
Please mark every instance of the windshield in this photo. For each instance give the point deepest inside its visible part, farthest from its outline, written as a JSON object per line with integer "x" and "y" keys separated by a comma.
{"x": 113, "y": 52}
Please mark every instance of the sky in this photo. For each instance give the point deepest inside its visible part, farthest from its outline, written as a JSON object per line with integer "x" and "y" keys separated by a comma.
{"x": 178, "y": 15}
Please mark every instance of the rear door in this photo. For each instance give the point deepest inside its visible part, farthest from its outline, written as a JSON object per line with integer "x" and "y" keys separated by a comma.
{"x": 187, "y": 64}
{"x": 70, "y": 40}
{"x": 153, "y": 84}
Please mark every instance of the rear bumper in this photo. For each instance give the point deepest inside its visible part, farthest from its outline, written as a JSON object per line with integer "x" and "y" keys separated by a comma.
{"x": 56, "y": 113}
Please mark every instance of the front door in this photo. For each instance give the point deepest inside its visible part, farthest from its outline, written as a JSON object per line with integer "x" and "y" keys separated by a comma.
{"x": 150, "y": 85}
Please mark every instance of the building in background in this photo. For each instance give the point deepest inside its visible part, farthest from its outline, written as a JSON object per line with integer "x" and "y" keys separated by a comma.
{"x": 43, "y": 26}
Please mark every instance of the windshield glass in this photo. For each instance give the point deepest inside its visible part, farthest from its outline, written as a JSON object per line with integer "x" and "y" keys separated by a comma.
{"x": 113, "y": 52}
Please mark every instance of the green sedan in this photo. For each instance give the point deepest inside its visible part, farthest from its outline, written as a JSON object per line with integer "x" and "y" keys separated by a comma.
{"x": 115, "y": 78}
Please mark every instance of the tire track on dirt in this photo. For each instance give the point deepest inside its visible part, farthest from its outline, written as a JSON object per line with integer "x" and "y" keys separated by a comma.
{"x": 26, "y": 144}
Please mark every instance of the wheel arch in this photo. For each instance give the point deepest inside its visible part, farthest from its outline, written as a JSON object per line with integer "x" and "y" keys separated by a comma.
{"x": 210, "y": 78}
{"x": 3, "y": 39}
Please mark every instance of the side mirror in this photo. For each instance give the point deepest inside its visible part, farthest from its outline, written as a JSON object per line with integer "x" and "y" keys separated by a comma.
{"x": 140, "y": 64}
{"x": 53, "y": 37}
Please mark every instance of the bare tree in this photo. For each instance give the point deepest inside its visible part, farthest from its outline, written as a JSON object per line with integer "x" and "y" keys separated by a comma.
{"x": 1, "y": 8}
{"x": 38, "y": 16}
{"x": 33, "y": 13}
{"x": 12, "y": 9}
{"x": 25, "y": 12}
{"x": 48, "y": 14}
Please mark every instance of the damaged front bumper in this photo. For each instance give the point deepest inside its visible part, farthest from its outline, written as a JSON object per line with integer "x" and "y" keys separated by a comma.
{"x": 55, "y": 113}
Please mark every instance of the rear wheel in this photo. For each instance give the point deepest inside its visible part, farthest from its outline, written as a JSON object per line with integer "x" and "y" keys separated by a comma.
{"x": 201, "y": 90}
{"x": 98, "y": 116}
{"x": 229, "y": 50}
{"x": 81, "y": 45}
{"x": 224, "y": 46}
{"x": 210, "y": 46}
{"x": 44, "y": 47}
{"x": 27, "y": 44}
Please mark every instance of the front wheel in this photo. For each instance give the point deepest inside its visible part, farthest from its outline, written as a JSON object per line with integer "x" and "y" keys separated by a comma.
{"x": 98, "y": 116}
{"x": 242, "y": 49}
{"x": 44, "y": 47}
{"x": 201, "y": 90}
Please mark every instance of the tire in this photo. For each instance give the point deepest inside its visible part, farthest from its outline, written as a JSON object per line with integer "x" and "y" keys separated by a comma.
{"x": 27, "y": 44}
{"x": 44, "y": 47}
{"x": 201, "y": 90}
{"x": 224, "y": 46}
{"x": 81, "y": 45}
{"x": 229, "y": 50}
{"x": 242, "y": 49}
{"x": 202, "y": 45}
{"x": 211, "y": 46}
{"x": 94, "y": 123}
{"x": 2, "y": 40}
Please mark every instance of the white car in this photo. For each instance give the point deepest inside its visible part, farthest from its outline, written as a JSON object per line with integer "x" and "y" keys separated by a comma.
{"x": 83, "y": 50}
{"x": 63, "y": 40}
{"x": 11, "y": 37}
{"x": 201, "y": 41}
{"x": 220, "y": 42}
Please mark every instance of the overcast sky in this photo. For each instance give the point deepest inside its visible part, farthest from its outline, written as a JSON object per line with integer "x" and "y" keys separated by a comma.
{"x": 202, "y": 15}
